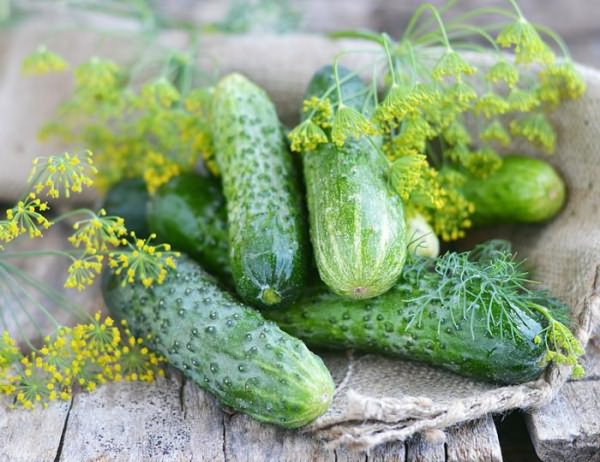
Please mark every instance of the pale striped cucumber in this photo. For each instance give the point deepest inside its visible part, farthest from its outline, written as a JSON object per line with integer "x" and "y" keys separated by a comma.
{"x": 268, "y": 239}
{"x": 357, "y": 224}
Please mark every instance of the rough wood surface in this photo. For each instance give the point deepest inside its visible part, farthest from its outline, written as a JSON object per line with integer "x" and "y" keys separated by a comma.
{"x": 568, "y": 429}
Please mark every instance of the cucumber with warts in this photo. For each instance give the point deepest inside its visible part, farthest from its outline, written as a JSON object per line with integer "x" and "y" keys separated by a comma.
{"x": 357, "y": 224}
{"x": 469, "y": 313}
{"x": 188, "y": 212}
{"x": 227, "y": 348}
{"x": 268, "y": 237}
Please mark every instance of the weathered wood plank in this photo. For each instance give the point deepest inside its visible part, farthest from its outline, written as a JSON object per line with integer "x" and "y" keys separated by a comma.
{"x": 418, "y": 449}
{"x": 568, "y": 429}
{"x": 475, "y": 441}
{"x": 138, "y": 421}
{"x": 27, "y": 436}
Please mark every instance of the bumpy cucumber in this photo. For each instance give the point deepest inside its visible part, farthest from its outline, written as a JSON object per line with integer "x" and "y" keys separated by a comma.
{"x": 523, "y": 190}
{"x": 224, "y": 346}
{"x": 189, "y": 213}
{"x": 268, "y": 239}
{"x": 424, "y": 317}
{"x": 127, "y": 199}
{"x": 357, "y": 225}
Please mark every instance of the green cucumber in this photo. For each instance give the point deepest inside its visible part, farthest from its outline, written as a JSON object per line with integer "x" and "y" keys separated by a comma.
{"x": 357, "y": 224}
{"x": 268, "y": 241}
{"x": 188, "y": 212}
{"x": 224, "y": 346}
{"x": 522, "y": 190}
{"x": 127, "y": 199}
{"x": 469, "y": 316}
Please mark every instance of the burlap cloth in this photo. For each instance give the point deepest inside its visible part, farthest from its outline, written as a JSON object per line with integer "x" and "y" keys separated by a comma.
{"x": 377, "y": 399}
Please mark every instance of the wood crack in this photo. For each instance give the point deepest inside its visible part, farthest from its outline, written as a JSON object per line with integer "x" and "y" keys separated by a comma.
{"x": 64, "y": 431}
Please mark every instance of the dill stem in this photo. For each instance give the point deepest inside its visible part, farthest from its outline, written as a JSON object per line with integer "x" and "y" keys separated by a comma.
{"x": 517, "y": 9}
{"x": 388, "y": 55}
{"x": 436, "y": 15}
{"x": 39, "y": 253}
{"x": 557, "y": 39}
{"x": 70, "y": 213}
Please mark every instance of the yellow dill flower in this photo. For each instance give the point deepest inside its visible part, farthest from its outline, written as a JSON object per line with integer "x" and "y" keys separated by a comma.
{"x": 452, "y": 219}
{"x": 350, "y": 123}
{"x": 456, "y": 133}
{"x": 403, "y": 101}
{"x": 98, "y": 79}
{"x": 62, "y": 174}
{"x": 319, "y": 111}
{"x": 161, "y": 92}
{"x": 536, "y": 129}
{"x": 143, "y": 262}
{"x": 451, "y": 64}
{"x": 457, "y": 153}
{"x": 98, "y": 232}
{"x": 137, "y": 362}
{"x": 307, "y": 136}
{"x": 522, "y": 100}
{"x": 43, "y": 61}
{"x": 83, "y": 271}
{"x": 503, "y": 71}
{"x": 406, "y": 173}
{"x": 159, "y": 169}
{"x": 491, "y": 104}
{"x": 529, "y": 46}
{"x": 495, "y": 132}
{"x": 461, "y": 95}
{"x": 9, "y": 352}
{"x": 482, "y": 163}
{"x": 560, "y": 82}
{"x": 25, "y": 217}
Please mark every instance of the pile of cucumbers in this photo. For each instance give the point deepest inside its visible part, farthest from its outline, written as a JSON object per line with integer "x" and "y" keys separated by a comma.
{"x": 263, "y": 270}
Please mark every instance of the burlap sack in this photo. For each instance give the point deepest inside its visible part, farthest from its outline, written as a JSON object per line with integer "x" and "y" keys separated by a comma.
{"x": 377, "y": 399}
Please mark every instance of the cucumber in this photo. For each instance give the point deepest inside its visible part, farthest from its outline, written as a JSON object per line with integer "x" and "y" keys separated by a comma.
{"x": 523, "y": 190}
{"x": 357, "y": 224}
{"x": 440, "y": 313}
{"x": 127, "y": 199}
{"x": 188, "y": 212}
{"x": 268, "y": 239}
{"x": 224, "y": 346}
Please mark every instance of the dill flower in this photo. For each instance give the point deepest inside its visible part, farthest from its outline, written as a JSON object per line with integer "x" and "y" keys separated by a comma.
{"x": 403, "y": 101}
{"x": 142, "y": 261}
{"x": 529, "y": 46}
{"x": 161, "y": 92}
{"x": 98, "y": 79}
{"x": 536, "y": 129}
{"x": 503, "y": 71}
{"x": 560, "y": 82}
{"x": 522, "y": 101}
{"x": 495, "y": 132}
{"x": 350, "y": 123}
{"x": 98, "y": 232}
{"x": 406, "y": 173}
{"x": 451, "y": 220}
{"x": 159, "y": 169}
{"x": 25, "y": 217}
{"x": 457, "y": 153}
{"x": 83, "y": 271}
{"x": 456, "y": 133}
{"x": 306, "y": 136}
{"x": 62, "y": 174}
{"x": 413, "y": 135}
{"x": 451, "y": 64}
{"x": 491, "y": 104}
{"x": 321, "y": 111}
{"x": 482, "y": 163}
{"x": 43, "y": 61}
{"x": 462, "y": 96}
{"x": 136, "y": 362}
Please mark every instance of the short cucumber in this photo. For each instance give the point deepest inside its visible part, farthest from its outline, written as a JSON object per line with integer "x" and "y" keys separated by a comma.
{"x": 268, "y": 238}
{"x": 224, "y": 346}
{"x": 433, "y": 314}
{"x": 188, "y": 212}
{"x": 127, "y": 199}
{"x": 357, "y": 225}
{"x": 523, "y": 190}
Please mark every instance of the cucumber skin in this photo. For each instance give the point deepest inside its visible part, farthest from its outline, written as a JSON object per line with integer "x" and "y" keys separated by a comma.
{"x": 268, "y": 238}
{"x": 357, "y": 224}
{"x": 128, "y": 199}
{"x": 379, "y": 325}
{"x": 189, "y": 213}
{"x": 523, "y": 190}
{"x": 224, "y": 346}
